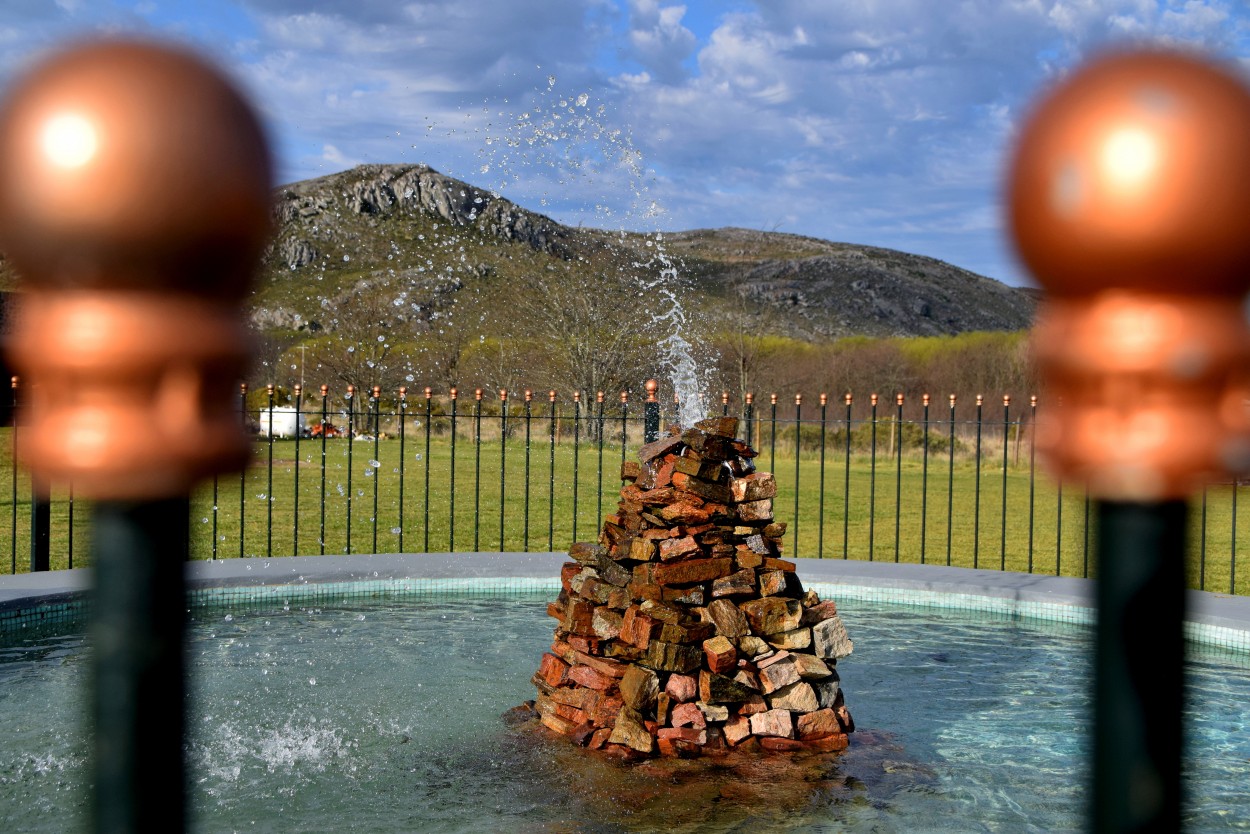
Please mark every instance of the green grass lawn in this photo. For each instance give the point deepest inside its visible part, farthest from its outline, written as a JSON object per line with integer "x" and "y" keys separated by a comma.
{"x": 499, "y": 497}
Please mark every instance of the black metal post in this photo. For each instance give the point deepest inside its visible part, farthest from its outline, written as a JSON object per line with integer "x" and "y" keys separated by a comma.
{"x": 1141, "y": 606}
{"x": 40, "y": 524}
{"x": 651, "y": 415}
{"x": 976, "y": 492}
{"x": 872, "y": 485}
{"x": 269, "y": 476}
{"x": 138, "y": 621}
{"x": 451, "y": 492}
{"x": 375, "y": 463}
{"x": 351, "y": 442}
{"x": 820, "y": 514}
{"x": 299, "y": 430}
{"x": 325, "y": 424}
{"x": 242, "y": 473}
{"x": 529, "y": 414}
{"x": 924, "y": 480}
{"x": 798, "y": 450}
{"x": 402, "y": 408}
{"x": 477, "y": 467}
{"x": 846, "y": 483}
{"x": 425, "y": 507}
{"x": 503, "y": 459}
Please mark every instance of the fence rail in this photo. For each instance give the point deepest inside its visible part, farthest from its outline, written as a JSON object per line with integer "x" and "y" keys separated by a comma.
{"x": 951, "y": 481}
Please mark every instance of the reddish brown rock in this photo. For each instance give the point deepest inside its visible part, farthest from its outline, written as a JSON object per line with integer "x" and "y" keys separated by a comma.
{"x": 689, "y": 571}
{"x": 721, "y": 654}
{"x": 774, "y": 722}
{"x": 689, "y": 715}
{"x": 728, "y": 619}
{"x": 682, "y": 687}
{"x": 677, "y": 548}
{"x": 755, "y": 487}
{"x": 739, "y": 583}
{"x": 671, "y": 657}
{"x": 772, "y": 615}
{"x": 639, "y": 687}
{"x": 819, "y": 724}
{"x": 552, "y": 669}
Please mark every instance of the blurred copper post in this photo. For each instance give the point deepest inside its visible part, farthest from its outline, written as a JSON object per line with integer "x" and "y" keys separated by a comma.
{"x": 134, "y": 203}
{"x": 1130, "y": 203}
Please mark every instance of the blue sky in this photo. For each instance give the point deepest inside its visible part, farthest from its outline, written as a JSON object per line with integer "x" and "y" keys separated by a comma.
{"x": 884, "y": 122}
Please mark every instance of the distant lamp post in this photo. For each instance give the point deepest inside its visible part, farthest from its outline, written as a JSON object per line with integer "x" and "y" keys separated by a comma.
{"x": 134, "y": 202}
{"x": 1130, "y": 202}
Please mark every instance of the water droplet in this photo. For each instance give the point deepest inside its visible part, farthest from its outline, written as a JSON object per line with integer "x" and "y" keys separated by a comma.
{"x": 394, "y": 531}
{"x": 376, "y": 464}
{"x": 312, "y": 681}
{"x": 229, "y": 618}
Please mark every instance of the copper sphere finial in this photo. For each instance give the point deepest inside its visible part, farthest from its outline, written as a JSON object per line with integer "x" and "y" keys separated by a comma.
{"x": 134, "y": 203}
{"x": 1130, "y": 202}
{"x": 128, "y": 164}
{"x": 651, "y": 386}
{"x": 1134, "y": 172}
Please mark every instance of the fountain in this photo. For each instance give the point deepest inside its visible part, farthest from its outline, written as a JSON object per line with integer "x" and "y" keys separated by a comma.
{"x": 682, "y": 631}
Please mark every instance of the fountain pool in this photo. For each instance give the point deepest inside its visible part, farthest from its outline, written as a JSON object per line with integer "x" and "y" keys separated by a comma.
{"x": 385, "y": 715}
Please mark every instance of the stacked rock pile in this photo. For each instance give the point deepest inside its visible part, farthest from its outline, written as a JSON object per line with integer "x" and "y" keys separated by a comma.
{"x": 682, "y": 631}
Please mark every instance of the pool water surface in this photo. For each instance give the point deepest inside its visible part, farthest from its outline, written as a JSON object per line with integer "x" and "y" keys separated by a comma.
{"x": 385, "y": 716}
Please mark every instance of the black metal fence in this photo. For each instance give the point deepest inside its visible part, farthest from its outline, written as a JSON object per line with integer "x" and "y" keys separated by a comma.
{"x": 906, "y": 479}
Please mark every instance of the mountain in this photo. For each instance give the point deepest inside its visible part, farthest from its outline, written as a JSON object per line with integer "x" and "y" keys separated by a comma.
{"x": 409, "y": 247}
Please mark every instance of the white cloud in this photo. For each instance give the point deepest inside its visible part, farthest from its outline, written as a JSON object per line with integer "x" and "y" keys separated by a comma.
{"x": 658, "y": 41}
{"x": 883, "y": 122}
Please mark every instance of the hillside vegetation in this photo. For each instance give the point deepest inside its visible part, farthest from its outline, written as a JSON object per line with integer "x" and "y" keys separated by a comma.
{"x": 396, "y": 275}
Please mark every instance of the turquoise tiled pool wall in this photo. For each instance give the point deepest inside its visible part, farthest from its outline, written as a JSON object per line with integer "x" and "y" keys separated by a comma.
{"x": 333, "y": 593}
{"x": 68, "y": 612}
{"x": 49, "y": 615}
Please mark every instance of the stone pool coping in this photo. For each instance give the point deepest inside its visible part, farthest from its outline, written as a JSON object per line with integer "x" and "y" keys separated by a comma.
{"x": 1219, "y": 620}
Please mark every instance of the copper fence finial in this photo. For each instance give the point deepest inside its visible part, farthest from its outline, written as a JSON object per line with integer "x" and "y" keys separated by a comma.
{"x": 477, "y": 393}
{"x": 503, "y": 395}
{"x": 599, "y": 397}
{"x": 651, "y": 386}
{"x": 325, "y": 391}
{"x": 924, "y": 400}
{"x": 898, "y": 399}
{"x": 874, "y": 399}
{"x": 624, "y": 397}
{"x": 551, "y": 395}
{"x": 772, "y": 399}
{"x": 1128, "y": 201}
{"x": 798, "y": 399}
{"x": 849, "y": 398}
{"x": 132, "y": 328}
{"x": 403, "y": 392}
{"x": 824, "y": 399}
{"x": 453, "y": 392}
{"x": 749, "y": 398}
{"x": 429, "y": 392}
{"x": 529, "y": 395}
